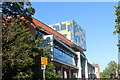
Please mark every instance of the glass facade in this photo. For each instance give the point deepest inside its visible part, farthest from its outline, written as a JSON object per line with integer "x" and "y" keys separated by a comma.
{"x": 63, "y": 55}
{"x": 63, "y": 26}
{"x": 56, "y": 27}
{"x": 79, "y": 36}
{"x": 69, "y": 27}
{"x": 73, "y": 32}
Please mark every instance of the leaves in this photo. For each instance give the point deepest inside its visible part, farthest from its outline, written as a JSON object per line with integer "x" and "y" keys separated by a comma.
{"x": 17, "y": 52}
{"x": 50, "y": 75}
{"x": 15, "y": 9}
{"x": 117, "y": 20}
{"x": 21, "y": 51}
{"x": 110, "y": 70}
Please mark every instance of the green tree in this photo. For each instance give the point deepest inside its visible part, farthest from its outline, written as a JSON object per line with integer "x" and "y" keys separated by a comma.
{"x": 14, "y": 9}
{"x": 110, "y": 70}
{"x": 117, "y": 28}
{"x": 21, "y": 51}
{"x": 18, "y": 56}
{"x": 117, "y": 20}
{"x": 17, "y": 51}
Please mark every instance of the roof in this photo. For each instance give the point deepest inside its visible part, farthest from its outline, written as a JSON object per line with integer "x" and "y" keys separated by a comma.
{"x": 43, "y": 27}
{"x": 95, "y": 65}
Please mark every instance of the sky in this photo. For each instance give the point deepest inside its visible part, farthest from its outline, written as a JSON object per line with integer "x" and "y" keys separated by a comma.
{"x": 74, "y": 0}
{"x": 96, "y": 18}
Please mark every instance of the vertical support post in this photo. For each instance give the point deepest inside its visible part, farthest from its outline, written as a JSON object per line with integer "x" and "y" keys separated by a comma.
{"x": 43, "y": 74}
{"x": 43, "y": 67}
{"x": 86, "y": 69}
{"x": 61, "y": 71}
{"x": 79, "y": 74}
{"x": 69, "y": 73}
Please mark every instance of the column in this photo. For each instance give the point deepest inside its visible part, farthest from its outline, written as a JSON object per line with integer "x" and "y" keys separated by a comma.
{"x": 61, "y": 71}
{"x": 69, "y": 73}
{"x": 86, "y": 69}
{"x": 79, "y": 74}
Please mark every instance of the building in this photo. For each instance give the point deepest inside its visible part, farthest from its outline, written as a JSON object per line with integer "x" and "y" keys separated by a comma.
{"x": 72, "y": 31}
{"x": 97, "y": 70}
{"x": 67, "y": 50}
{"x": 91, "y": 71}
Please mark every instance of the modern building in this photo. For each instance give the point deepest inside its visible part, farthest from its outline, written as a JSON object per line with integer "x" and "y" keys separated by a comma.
{"x": 67, "y": 47}
{"x": 97, "y": 70}
{"x": 72, "y": 31}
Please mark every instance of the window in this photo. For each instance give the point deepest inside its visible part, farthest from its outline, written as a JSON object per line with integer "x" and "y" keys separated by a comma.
{"x": 60, "y": 53}
{"x": 69, "y": 27}
{"x": 75, "y": 40}
{"x": 72, "y": 36}
{"x": 78, "y": 40}
{"x": 55, "y": 53}
{"x": 63, "y": 26}
{"x": 75, "y": 27}
{"x": 56, "y": 27}
{"x": 63, "y": 54}
{"x": 55, "y": 50}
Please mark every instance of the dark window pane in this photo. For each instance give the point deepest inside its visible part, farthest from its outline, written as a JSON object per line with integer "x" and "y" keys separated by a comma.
{"x": 69, "y": 27}
{"x": 63, "y": 26}
{"x": 56, "y": 27}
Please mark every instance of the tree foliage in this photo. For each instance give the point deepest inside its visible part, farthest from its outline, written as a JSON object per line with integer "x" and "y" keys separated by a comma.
{"x": 17, "y": 53}
{"x": 110, "y": 71}
{"x": 17, "y": 43}
{"x": 21, "y": 51}
{"x": 14, "y": 9}
{"x": 117, "y": 20}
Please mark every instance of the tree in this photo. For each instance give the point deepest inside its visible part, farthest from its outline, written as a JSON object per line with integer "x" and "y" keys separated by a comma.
{"x": 117, "y": 29}
{"x": 17, "y": 51}
{"x": 21, "y": 51}
{"x": 117, "y": 20}
{"x": 110, "y": 71}
{"x": 15, "y": 9}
